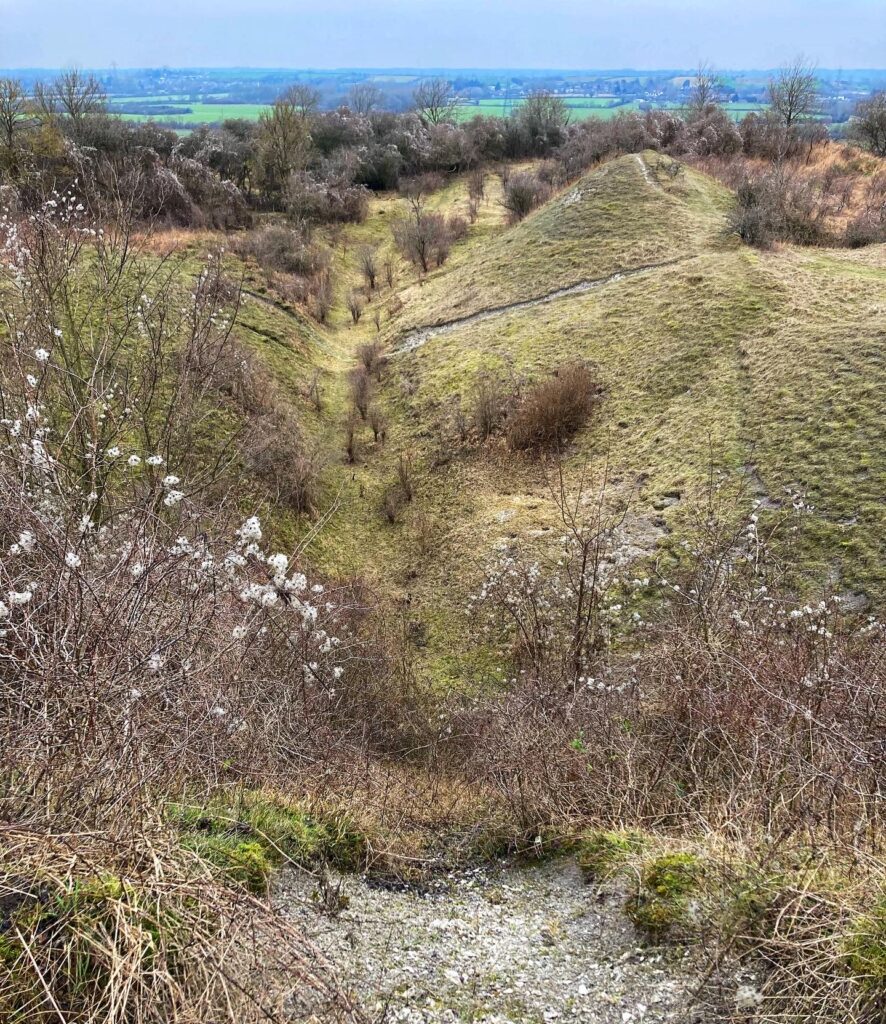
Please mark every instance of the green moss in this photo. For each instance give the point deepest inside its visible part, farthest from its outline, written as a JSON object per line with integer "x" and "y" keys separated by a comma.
{"x": 602, "y": 853}
{"x": 10, "y": 951}
{"x": 232, "y": 832}
{"x": 866, "y": 949}
{"x": 244, "y": 861}
{"x": 662, "y": 906}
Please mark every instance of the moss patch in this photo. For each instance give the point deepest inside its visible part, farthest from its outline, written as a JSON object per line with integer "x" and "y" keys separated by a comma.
{"x": 662, "y": 904}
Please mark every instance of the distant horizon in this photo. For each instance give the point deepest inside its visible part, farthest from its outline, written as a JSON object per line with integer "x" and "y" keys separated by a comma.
{"x": 431, "y": 69}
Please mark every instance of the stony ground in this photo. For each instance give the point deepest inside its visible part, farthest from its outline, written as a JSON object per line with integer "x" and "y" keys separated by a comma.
{"x": 514, "y": 946}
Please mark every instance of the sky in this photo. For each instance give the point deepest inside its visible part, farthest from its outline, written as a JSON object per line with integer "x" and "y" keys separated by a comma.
{"x": 563, "y": 34}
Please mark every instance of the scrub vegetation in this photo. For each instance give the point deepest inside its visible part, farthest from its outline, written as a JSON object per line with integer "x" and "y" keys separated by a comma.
{"x": 385, "y": 494}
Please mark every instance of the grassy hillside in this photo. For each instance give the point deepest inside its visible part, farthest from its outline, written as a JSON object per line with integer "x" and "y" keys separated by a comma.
{"x": 629, "y": 213}
{"x": 766, "y": 366}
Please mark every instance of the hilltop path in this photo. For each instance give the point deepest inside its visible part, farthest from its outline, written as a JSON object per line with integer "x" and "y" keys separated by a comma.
{"x": 416, "y": 338}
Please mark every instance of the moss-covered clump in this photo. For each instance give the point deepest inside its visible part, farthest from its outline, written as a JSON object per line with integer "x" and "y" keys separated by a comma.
{"x": 83, "y": 927}
{"x": 243, "y": 860}
{"x": 248, "y": 835}
{"x": 600, "y": 854}
{"x": 663, "y": 904}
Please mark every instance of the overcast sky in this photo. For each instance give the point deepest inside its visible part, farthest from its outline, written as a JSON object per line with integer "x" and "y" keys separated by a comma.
{"x": 441, "y": 33}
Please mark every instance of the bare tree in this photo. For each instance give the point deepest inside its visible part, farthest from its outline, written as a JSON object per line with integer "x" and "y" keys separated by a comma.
{"x": 14, "y": 117}
{"x": 423, "y": 238}
{"x": 705, "y": 92}
{"x": 365, "y": 97}
{"x": 72, "y": 95}
{"x": 368, "y": 266}
{"x": 304, "y": 100}
{"x": 434, "y": 101}
{"x": 284, "y": 138}
{"x": 793, "y": 94}
{"x": 868, "y": 124}
{"x": 543, "y": 117}
{"x": 355, "y": 306}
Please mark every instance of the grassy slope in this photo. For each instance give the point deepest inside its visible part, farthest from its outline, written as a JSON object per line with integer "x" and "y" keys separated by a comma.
{"x": 773, "y": 361}
{"x": 611, "y": 220}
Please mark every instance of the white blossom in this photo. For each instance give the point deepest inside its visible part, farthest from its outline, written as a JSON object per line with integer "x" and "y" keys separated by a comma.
{"x": 747, "y": 997}
{"x": 72, "y": 560}
{"x": 278, "y": 564}
{"x": 41, "y": 355}
{"x": 173, "y": 498}
{"x": 250, "y": 530}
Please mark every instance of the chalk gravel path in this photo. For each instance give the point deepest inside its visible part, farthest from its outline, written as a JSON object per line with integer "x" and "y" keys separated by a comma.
{"x": 416, "y": 338}
{"x": 524, "y": 946}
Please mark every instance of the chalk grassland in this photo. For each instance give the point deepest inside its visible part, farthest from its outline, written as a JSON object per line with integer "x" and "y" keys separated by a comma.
{"x": 766, "y": 367}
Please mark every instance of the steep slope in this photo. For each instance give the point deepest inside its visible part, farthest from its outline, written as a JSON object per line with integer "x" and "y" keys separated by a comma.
{"x": 713, "y": 358}
{"x": 632, "y": 212}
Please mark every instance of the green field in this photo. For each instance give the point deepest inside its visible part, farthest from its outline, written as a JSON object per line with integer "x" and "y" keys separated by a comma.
{"x": 582, "y": 107}
{"x": 198, "y": 113}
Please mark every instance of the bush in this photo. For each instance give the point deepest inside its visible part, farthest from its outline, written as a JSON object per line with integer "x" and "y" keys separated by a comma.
{"x": 361, "y": 390}
{"x": 423, "y": 238}
{"x": 865, "y": 229}
{"x": 523, "y": 192}
{"x": 311, "y": 201}
{"x": 281, "y": 248}
{"x": 489, "y": 407}
{"x": 777, "y": 206}
{"x": 554, "y": 410}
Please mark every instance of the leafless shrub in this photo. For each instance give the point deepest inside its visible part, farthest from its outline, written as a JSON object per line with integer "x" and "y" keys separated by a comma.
{"x": 423, "y": 238}
{"x": 522, "y": 194}
{"x": 352, "y": 427}
{"x": 311, "y": 200}
{"x": 392, "y": 503}
{"x": 314, "y": 391}
{"x": 275, "y": 454}
{"x": 551, "y": 412}
{"x": 390, "y": 270}
{"x": 277, "y": 247}
{"x": 477, "y": 185}
{"x": 368, "y": 266}
{"x": 361, "y": 390}
{"x": 196, "y": 646}
{"x": 739, "y": 701}
{"x": 355, "y": 306}
{"x": 405, "y": 475}
{"x": 426, "y": 533}
{"x": 372, "y": 358}
{"x": 378, "y": 422}
{"x": 490, "y": 406}
{"x": 323, "y": 299}
{"x": 777, "y": 206}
